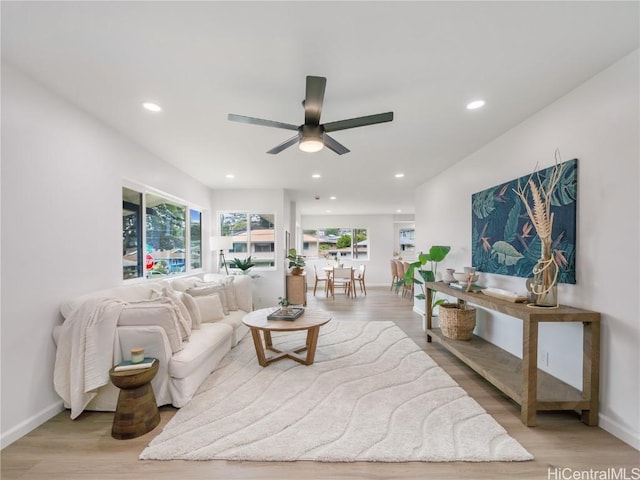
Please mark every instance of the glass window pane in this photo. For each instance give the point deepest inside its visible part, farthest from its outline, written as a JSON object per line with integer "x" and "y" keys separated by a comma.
{"x": 251, "y": 235}
{"x": 262, "y": 239}
{"x": 407, "y": 240}
{"x": 311, "y": 245}
{"x": 360, "y": 244}
{"x": 234, "y": 226}
{"x": 132, "y": 266}
{"x": 195, "y": 233}
{"x": 166, "y": 235}
{"x": 336, "y": 244}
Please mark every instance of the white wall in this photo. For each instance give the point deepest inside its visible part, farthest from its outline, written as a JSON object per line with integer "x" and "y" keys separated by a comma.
{"x": 62, "y": 175}
{"x": 598, "y": 123}
{"x": 271, "y": 283}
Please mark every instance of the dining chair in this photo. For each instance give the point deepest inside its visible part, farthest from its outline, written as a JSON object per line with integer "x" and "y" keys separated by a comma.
{"x": 394, "y": 275}
{"x": 319, "y": 278}
{"x": 360, "y": 279}
{"x": 342, "y": 277}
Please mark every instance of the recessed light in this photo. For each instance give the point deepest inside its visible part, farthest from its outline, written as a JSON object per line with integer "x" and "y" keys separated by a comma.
{"x": 152, "y": 107}
{"x": 332, "y": 198}
{"x": 475, "y": 104}
{"x": 328, "y": 211}
{"x": 230, "y": 175}
{"x": 315, "y": 175}
{"x": 398, "y": 211}
{"x": 399, "y": 175}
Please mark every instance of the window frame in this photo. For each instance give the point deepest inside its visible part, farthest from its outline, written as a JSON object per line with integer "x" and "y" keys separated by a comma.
{"x": 229, "y": 254}
{"x": 144, "y": 191}
{"x": 353, "y": 232}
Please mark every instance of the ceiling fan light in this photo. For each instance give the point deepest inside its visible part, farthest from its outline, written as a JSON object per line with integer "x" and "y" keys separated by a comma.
{"x": 311, "y": 145}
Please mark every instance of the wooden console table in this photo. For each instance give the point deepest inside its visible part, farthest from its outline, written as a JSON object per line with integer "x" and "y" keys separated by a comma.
{"x": 520, "y": 379}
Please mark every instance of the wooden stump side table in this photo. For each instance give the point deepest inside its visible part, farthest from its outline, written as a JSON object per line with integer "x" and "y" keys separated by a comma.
{"x": 137, "y": 412}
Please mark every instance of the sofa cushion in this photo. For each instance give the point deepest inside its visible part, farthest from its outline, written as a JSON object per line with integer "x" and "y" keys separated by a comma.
{"x": 234, "y": 319}
{"x": 202, "y": 343}
{"x": 210, "y": 307}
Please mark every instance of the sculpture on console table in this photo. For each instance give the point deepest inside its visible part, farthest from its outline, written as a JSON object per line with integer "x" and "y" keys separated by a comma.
{"x": 543, "y": 287}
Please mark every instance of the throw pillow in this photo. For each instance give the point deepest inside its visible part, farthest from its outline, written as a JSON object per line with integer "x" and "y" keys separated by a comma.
{"x": 158, "y": 312}
{"x": 193, "y": 309}
{"x": 210, "y": 289}
{"x": 184, "y": 318}
{"x": 230, "y": 300}
{"x": 210, "y": 307}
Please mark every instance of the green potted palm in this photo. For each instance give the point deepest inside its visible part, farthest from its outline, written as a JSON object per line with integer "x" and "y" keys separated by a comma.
{"x": 296, "y": 262}
{"x": 436, "y": 254}
{"x": 243, "y": 265}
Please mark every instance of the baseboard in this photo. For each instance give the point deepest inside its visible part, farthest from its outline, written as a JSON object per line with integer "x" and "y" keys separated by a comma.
{"x": 619, "y": 431}
{"x": 20, "y": 430}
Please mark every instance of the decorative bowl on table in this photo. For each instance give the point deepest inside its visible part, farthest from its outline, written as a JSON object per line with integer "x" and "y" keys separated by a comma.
{"x": 463, "y": 277}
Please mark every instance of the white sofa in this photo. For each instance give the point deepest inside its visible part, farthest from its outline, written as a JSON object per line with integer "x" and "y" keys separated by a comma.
{"x": 184, "y": 364}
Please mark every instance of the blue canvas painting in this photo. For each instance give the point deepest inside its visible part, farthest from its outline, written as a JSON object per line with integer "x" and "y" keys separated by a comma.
{"x": 504, "y": 240}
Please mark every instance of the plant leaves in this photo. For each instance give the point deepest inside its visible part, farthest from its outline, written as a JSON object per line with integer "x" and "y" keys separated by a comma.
{"x": 483, "y": 203}
{"x": 511, "y": 227}
{"x": 438, "y": 252}
{"x": 505, "y": 253}
{"x": 566, "y": 190}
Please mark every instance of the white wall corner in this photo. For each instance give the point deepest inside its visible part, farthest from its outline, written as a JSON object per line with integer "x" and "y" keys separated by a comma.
{"x": 31, "y": 423}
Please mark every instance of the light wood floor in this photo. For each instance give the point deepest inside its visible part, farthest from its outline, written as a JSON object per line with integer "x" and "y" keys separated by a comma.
{"x": 84, "y": 449}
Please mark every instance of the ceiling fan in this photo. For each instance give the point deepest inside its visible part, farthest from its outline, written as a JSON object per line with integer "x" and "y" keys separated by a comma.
{"x": 312, "y": 136}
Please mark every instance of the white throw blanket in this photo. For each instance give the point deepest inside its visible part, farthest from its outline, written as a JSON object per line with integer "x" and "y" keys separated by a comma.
{"x": 85, "y": 352}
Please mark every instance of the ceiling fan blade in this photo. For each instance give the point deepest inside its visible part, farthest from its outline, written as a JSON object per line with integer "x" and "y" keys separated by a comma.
{"x": 286, "y": 144}
{"x": 313, "y": 99}
{"x": 259, "y": 121}
{"x": 333, "y": 144}
{"x": 358, "y": 122}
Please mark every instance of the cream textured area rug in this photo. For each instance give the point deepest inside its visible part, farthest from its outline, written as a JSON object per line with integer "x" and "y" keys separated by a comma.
{"x": 371, "y": 395}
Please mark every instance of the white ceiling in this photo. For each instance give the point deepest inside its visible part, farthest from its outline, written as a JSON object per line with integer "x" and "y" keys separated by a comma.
{"x": 422, "y": 60}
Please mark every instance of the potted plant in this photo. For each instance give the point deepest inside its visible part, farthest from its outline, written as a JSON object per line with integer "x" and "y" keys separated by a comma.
{"x": 296, "y": 262}
{"x": 285, "y": 305}
{"x": 243, "y": 265}
{"x": 436, "y": 254}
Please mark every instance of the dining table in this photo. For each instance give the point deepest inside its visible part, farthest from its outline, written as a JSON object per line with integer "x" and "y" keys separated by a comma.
{"x": 329, "y": 271}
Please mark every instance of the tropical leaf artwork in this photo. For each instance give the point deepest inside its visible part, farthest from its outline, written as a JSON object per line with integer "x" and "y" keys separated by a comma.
{"x": 504, "y": 240}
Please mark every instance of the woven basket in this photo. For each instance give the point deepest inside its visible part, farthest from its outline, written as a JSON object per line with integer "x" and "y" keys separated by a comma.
{"x": 457, "y": 321}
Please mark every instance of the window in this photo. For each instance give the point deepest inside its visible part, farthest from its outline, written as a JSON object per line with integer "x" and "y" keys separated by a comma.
{"x": 251, "y": 235}
{"x": 195, "y": 237}
{"x": 161, "y": 246}
{"x": 407, "y": 240}
{"x": 131, "y": 234}
{"x": 329, "y": 243}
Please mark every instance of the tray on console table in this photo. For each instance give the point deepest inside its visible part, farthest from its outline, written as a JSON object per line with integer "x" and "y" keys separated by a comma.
{"x": 520, "y": 379}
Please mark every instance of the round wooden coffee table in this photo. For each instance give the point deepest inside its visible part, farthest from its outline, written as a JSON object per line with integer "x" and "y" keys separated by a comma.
{"x": 311, "y": 321}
